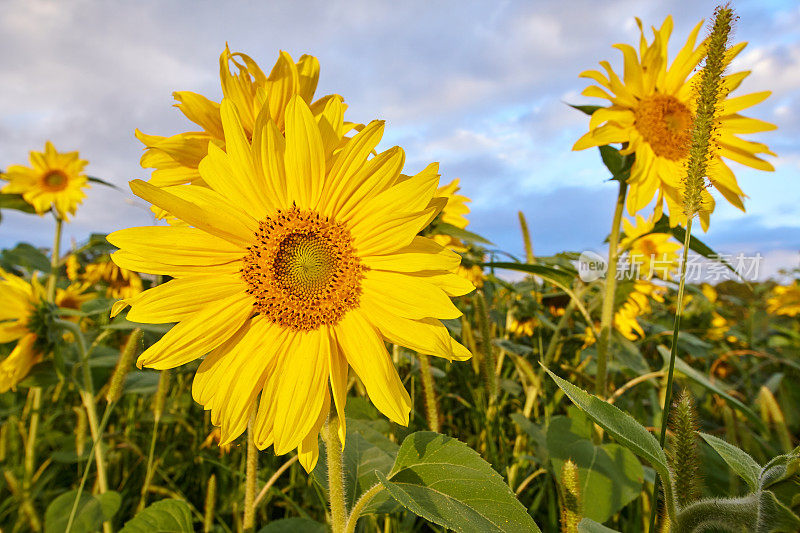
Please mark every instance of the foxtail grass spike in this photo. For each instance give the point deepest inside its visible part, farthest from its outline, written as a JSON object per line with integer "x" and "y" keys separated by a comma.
{"x": 570, "y": 497}
{"x": 124, "y": 366}
{"x": 211, "y": 499}
{"x": 683, "y": 454}
{"x": 526, "y": 237}
{"x": 710, "y": 91}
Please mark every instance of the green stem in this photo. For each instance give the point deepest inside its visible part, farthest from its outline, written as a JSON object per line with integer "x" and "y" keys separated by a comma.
{"x": 607, "y": 317}
{"x": 431, "y": 409}
{"x": 670, "y": 373}
{"x": 95, "y": 445}
{"x": 362, "y": 502}
{"x": 52, "y": 279}
{"x": 88, "y": 400}
{"x": 251, "y": 471}
{"x": 554, "y": 340}
{"x": 335, "y": 476}
{"x": 489, "y": 363}
{"x": 35, "y": 394}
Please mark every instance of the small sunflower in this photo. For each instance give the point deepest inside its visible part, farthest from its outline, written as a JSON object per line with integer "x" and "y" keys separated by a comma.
{"x": 291, "y": 268}
{"x": 651, "y": 112}
{"x": 176, "y": 159}
{"x": 20, "y": 301}
{"x": 54, "y": 180}
{"x": 121, "y": 283}
{"x": 651, "y": 254}
{"x": 637, "y": 304}
{"x": 785, "y": 300}
{"x": 453, "y": 213}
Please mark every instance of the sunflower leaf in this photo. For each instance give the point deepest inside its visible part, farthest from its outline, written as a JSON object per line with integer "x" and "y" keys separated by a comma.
{"x": 444, "y": 481}
{"x": 165, "y": 516}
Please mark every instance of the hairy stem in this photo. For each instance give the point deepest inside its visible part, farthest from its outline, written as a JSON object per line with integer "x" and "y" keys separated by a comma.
{"x": 362, "y": 502}
{"x": 335, "y": 476}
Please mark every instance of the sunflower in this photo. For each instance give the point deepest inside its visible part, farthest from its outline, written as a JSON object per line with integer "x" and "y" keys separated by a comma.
{"x": 651, "y": 254}
{"x": 290, "y": 270}
{"x": 651, "y": 112}
{"x": 20, "y": 301}
{"x": 121, "y": 282}
{"x": 453, "y": 213}
{"x": 785, "y": 300}
{"x": 54, "y": 180}
{"x": 637, "y": 304}
{"x": 176, "y": 159}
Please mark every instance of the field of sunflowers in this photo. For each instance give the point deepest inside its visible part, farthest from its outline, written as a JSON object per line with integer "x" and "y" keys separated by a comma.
{"x": 306, "y": 339}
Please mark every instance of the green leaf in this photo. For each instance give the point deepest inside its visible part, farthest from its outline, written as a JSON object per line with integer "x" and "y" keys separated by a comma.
{"x": 701, "y": 379}
{"x": 622, "y": 426}
{"x": 739, "y": 460}
{"x": 557, "y": 276}
{"x": 588, "y": 109}
{"x": 293, "y": 525}
{"x": 587, "y": 525}
{"x": 619, "y": 165}
{"x": 25, "y": 256}
{"x": 15, "y": 201}
{"x": 164, "y": 516}
{"x": 103, "y": 182}
{"x": 610, "y": 476}
{"x": 444, "y": 481}
{"x": 367, "y": 450}
{"x": 92, "y": 511}
{"x": 460, "y": 233}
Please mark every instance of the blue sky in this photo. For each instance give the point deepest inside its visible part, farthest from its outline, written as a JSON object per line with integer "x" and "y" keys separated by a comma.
{"x": 479, "y": 87}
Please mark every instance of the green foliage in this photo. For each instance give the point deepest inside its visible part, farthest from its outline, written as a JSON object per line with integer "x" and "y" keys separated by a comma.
{"x": 447, "y": 483}
{"x": 164, "y": 516}
{"x": 293, "y": 525}
{"x": 92, "y": 511}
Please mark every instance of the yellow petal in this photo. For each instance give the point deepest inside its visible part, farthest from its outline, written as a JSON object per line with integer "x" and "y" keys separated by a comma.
{"x": 427, "y": 336}
{"x": 409, "y": 296}
{"x": 305, "y": 155}
{"x": 176, "y": 245}
{"x": 422, "y": 254}
{"x": 180, "y": 299}
{"x": 221, "y": 222}
{"x": 201, "y": 111}
{"x": 308, "y": 450}
{"x": 361, "y": 344}
{"x": 198, "y": 335}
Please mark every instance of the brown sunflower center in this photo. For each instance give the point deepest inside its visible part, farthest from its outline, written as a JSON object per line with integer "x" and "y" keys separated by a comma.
{"x": 665, "y": 123}
{"x": 55, "y": 180}
{"x": 302, "y": 270}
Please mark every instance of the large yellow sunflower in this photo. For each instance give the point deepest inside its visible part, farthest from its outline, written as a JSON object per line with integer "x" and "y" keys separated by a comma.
{"x": 176, "y": 158}
{"x": 292, "y": 269}
{"x": 54, "y": 180}
{"x": 651, "y": 113}
{"x": 20, "y": 300}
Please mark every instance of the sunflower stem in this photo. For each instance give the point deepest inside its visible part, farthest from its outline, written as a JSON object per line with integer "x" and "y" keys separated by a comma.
{"x": 52, "y": 278}
{"x": 607, "y": 317}
{"x": 670, "y": 373}
{"x": 335, "y": 476}
{"x": 431, "y": 408}
{"x": 248, "y": 523}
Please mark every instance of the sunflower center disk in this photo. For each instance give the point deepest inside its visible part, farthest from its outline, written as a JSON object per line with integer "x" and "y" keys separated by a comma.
{"x": 55, "y": 180}
{"x": 302, "y": 270}
{"x": 665, "y": 124}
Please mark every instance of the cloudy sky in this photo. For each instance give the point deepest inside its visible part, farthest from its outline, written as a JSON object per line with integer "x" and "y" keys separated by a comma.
{"x": 478, "y": 86}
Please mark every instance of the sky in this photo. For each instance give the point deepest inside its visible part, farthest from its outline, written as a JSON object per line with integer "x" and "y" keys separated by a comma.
{"x": 480, "y": 87}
